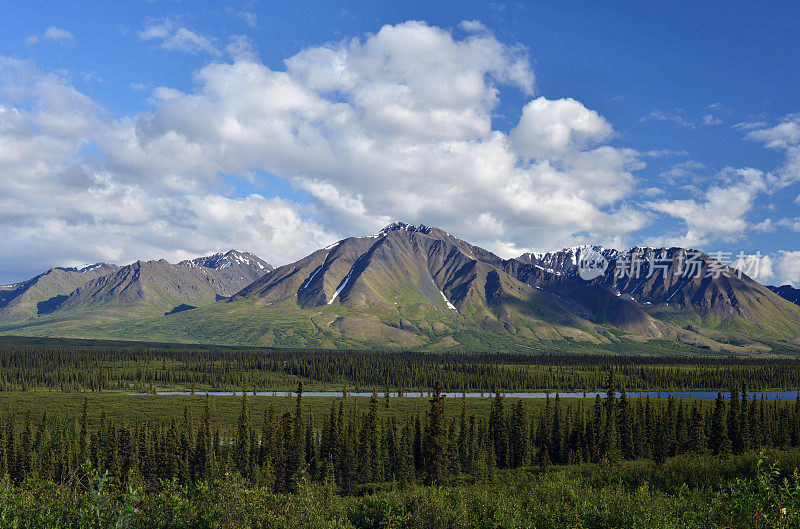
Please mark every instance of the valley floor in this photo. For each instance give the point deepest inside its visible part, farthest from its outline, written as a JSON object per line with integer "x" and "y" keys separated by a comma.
{"x": 85, "y": 442}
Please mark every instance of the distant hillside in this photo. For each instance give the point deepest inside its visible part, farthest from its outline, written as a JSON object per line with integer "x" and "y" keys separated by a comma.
{"x": 147, "y": 286}
{"x": 42, "y": 294}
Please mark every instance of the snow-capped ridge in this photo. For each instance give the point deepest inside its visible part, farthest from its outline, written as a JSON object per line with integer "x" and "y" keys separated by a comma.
{"x": 222, "y": 260}
{"x": 403, "y": 226}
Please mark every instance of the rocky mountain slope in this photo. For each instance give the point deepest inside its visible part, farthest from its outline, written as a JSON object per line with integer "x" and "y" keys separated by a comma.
{"x": 43, "y": 293}
{"x": 147, "y": 286}
{"x": 413, "y": 285}
{"x": 420, "y": 287}
{"x": 787, "y": 292}
{"x": 687, "y": 288}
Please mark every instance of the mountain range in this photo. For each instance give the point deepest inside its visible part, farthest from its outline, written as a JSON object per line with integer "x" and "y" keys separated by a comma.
{"x": 417, "y": 287}
{"x": 142, "y": 286}
{"x": 787, "y": 292}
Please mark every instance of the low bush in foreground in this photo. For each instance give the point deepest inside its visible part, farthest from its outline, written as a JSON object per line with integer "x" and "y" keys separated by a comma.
{"x": 628, "y": 495}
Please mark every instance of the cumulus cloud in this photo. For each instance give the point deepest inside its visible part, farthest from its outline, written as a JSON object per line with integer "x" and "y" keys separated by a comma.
{"x": 61, "y": 206}
{"x": 399, "y": 125}
{"x": 779, "y": 268}
{"x": 787, "y": 268}
{"x": 392, "y": 125}
{"x": 756, "y": 266}
{"x": 550, "y": 129}
{"x": 721, "y": 213}
{"x": 785, "y": 137}
{"x": 52, "y": 34}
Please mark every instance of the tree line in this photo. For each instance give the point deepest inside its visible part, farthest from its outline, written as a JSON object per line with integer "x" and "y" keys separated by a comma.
{"x": 75, "y": 368}
{"x": 351, "y": 450}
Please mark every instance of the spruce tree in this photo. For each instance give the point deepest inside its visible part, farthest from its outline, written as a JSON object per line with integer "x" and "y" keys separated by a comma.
{"x": 556, "y": 444}
{"x": 611, "y": 450}
{"x": 84, "y": 432}
{"x": 418, "y": 456}
{"x": 518, "y": 439}
{"x": 296, "y": 459}
{"x": 201, "y": 469}
{"x": 25, "y": 457}
{"x": 241, "y": 447}
{"x": 435, "y": 450}
{"x": 497, "y": 430}
{"x": 719, "y": 442}
{"x": 744, "y": 430}
{"x": 625, "y": 418}
{"x": 734, "y": 414}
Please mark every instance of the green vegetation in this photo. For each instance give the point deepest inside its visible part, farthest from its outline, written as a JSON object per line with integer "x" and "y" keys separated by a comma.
{"x": 69, "y": 366}
{"x": 79, "y": 449}
{"x": 615, "y": 463}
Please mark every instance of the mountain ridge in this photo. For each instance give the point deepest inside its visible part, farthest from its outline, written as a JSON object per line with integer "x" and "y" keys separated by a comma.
{"x": 420, "y": 287}
{"x": 154, "y": 284}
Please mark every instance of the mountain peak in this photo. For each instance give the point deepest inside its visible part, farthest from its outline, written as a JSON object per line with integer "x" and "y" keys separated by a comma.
{"x": 404, "y": 226}
{"x": 228, "y": 259}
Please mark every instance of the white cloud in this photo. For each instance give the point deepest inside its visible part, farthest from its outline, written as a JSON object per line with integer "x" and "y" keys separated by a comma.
{"x": 787, "y": 268}
{"x": 678, "y": 118}
{"x": 792, "y": 224}
{"x": 779, "y": 268}
{"x": 60, "y": 206}
{"x": 172, "y": 37}
{"x": 756, "y": 266}
{"x": 765, "y": 226}
{"x": 402, "y": 119}
{"x": 720, "y": 214}
{"x": 52, "y": 34}
{"x": 241, "y": 47}
{"x": 784, "y": 136}
{"x": 710, "y": 119}
{"x": 557, "y": 128}
{"x": 473, "y": 25}
{"x": 781, "y": 136}
{"x": 680, "y": 171}
{"x": 394, "y": 125}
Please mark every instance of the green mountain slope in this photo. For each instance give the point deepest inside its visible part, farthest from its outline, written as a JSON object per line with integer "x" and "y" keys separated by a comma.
{"x": 421, "y": 288}
{"x": 43, "y": 293}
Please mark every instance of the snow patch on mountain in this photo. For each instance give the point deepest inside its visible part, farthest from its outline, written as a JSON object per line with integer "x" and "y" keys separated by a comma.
{"x": 447, "y": 301}
{"x": 229, "y": 259}
{"x": 341, "y": 287}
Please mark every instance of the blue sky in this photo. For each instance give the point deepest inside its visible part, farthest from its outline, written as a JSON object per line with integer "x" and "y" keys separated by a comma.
{"x": 170, "y": 129}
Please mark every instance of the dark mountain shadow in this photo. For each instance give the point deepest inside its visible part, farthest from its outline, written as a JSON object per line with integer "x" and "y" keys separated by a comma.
{"x": 48, "y": 306}
{"x": 180, "y": 308}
